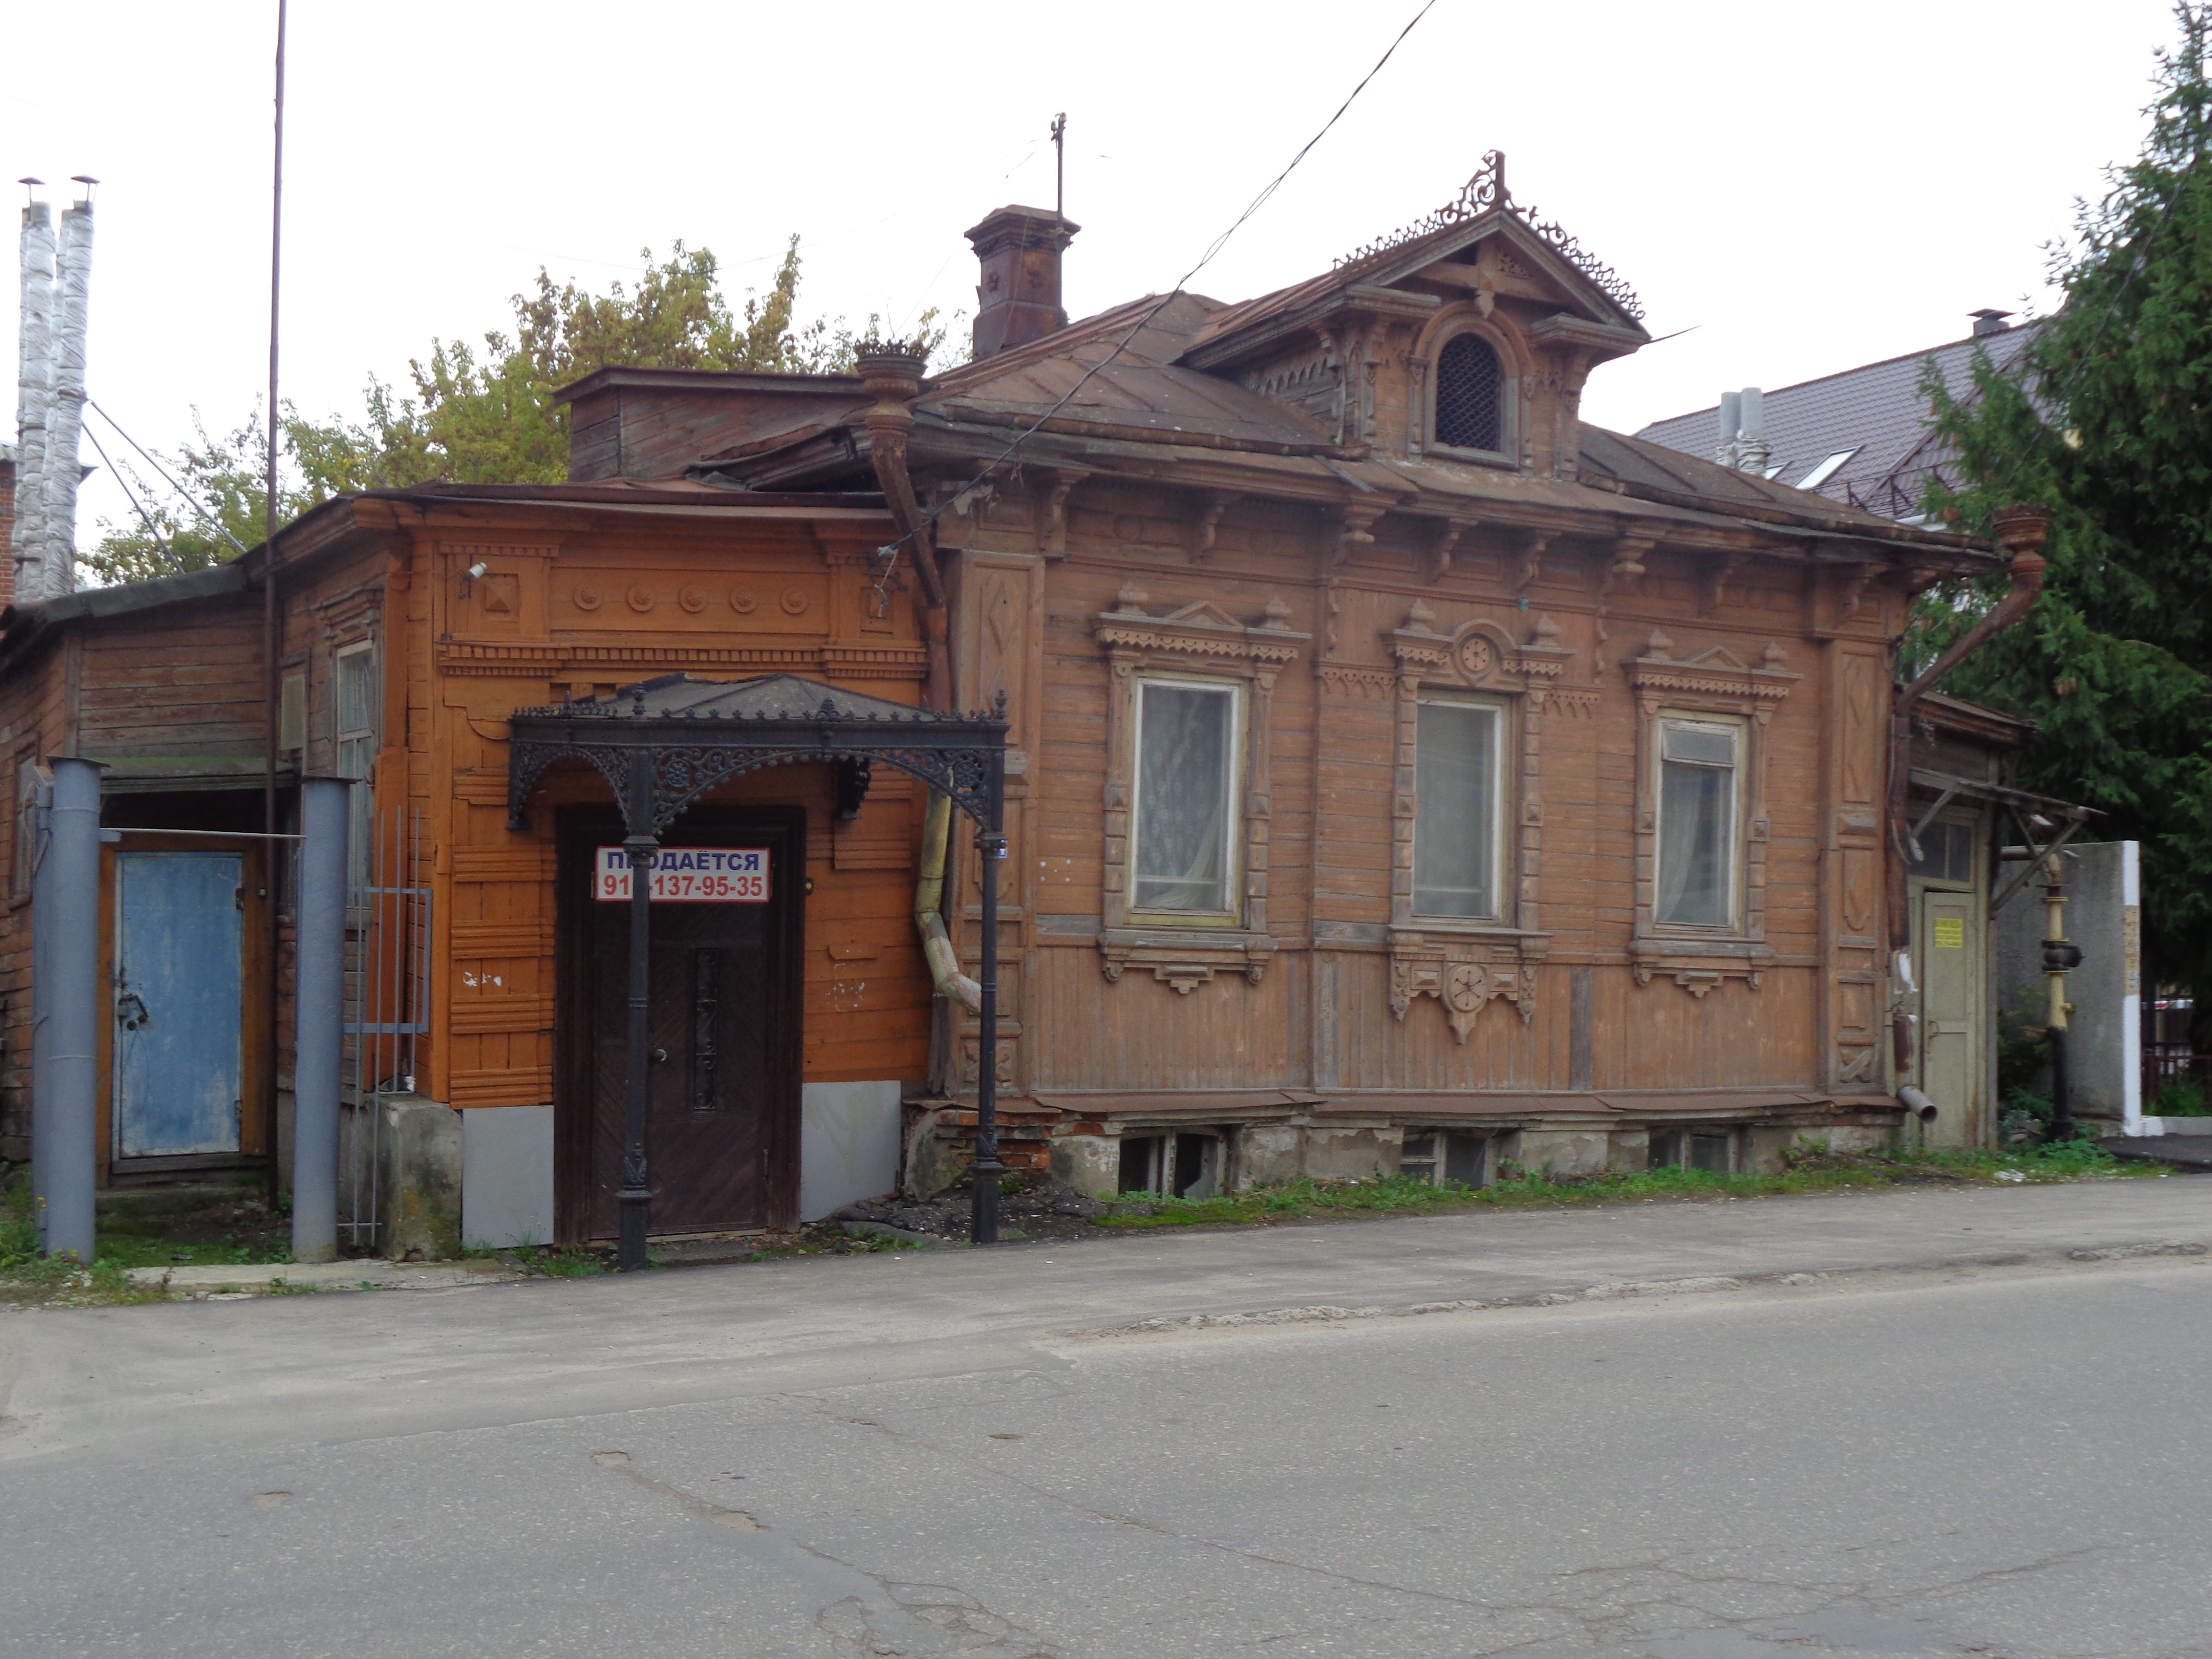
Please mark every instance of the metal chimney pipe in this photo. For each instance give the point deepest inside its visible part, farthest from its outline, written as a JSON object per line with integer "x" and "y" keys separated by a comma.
{"x": 65, "y": 415}
{"x": 1751, "y": 454}
{"x": 34, "y": 393}
{"x": 1731, "y": 424}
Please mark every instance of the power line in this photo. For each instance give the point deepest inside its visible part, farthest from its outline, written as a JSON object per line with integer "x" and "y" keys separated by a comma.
{"x": 183, "y": 494}
{"x": 889, "y": 551}
{"x": 124, "y": 484}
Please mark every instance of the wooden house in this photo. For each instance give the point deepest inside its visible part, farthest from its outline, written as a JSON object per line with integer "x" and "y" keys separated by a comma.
{"x": 407, "y": 626}
{"x": 1406, "y": 774}
{"x": 1411, "y": 775}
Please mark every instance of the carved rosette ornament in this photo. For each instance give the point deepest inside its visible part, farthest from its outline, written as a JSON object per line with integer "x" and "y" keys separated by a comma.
{"x": 1463, "y": 977}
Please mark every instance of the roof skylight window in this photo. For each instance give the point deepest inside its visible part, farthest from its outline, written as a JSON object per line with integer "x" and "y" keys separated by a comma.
{"x": 1828, "y": 468}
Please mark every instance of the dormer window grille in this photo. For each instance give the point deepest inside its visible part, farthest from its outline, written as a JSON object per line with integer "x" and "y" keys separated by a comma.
{"x": 1470, "y": 395}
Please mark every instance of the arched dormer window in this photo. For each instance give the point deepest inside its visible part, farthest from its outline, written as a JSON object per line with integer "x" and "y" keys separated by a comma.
{"x": 1470, "y": 395}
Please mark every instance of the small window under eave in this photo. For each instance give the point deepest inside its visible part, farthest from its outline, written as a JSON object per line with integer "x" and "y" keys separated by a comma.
{"x": 1470, "y": 395}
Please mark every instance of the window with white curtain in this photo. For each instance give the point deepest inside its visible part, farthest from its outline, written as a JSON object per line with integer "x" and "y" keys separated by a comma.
{"x": 1455, "y": 817}
{"x": 1700, "y": 764}
{"x": 1185, "y": 804}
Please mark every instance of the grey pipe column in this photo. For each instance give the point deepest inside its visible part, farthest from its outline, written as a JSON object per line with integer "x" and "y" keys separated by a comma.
{"x": 64, "y": 1046}
{"x": 319, "y": 987}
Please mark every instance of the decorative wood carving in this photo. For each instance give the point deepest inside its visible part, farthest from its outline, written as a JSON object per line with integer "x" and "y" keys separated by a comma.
{"x": 1530, "y": 552}
{"x": 1854, "y": 587}
{"x": 1057, "y": 483}
{"x": 1199, "y": 638}
{"x": 1442, "y": 542}
{"x": 1466, "y": 965}
{"x": 1712, "y": 680}
{"x": 1354, "y": 527}
{"x": 1623, "y": 567}
{"x": 1213, "y": 504}
{"x": 1714, "y": 586}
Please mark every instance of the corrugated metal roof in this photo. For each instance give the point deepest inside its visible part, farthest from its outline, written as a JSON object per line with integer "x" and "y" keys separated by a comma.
{"x": 1877, "y": 409}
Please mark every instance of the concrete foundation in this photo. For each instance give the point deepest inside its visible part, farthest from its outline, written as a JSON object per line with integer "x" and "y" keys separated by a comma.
{"x": 849, "y": 1145}
{"x": 1091, "y": 1165}
{"x": 1559, "y": 1151}
{"x": 1349, "y": 1154}
{"x": 1268, "y": 1154}
{"x": 419, "y": 1186}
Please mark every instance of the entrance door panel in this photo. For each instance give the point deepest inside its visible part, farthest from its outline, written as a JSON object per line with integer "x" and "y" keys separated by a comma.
{"x": 179, "y": 980}
{"x": 1950, "y": 967}
{"x": 723, "y": 1105}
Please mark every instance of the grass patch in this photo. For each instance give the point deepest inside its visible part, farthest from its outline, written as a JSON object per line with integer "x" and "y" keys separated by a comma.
{"x": 1810, "y": 1171}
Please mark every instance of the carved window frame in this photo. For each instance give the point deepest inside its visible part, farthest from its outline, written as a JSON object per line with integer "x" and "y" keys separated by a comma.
{"x": 1199, "y": 642}
{"x": 1467, "y": 963}
{"x": 1704, "y": 683}
{"x": 1427, "y": 360}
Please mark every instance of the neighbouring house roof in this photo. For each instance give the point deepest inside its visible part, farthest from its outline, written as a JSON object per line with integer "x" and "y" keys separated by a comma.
{"x": 1877, "y": 413}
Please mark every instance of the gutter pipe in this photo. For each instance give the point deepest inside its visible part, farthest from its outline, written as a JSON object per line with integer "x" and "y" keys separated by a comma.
{"x": 892, "y": 375}
{"x": 929, "y": 910}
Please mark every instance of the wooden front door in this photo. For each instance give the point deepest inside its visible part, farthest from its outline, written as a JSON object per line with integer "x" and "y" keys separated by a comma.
{"x": 722, "y": 1132}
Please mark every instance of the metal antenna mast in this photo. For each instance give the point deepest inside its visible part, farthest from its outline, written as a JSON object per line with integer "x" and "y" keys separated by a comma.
{"x": 1059, "y": 165}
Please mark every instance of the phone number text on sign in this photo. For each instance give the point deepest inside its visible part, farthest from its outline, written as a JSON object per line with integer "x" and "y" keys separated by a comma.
{"x": 697, "y": 875}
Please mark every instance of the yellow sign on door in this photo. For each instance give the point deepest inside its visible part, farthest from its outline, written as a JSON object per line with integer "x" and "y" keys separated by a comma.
{"x": 1950, "y": 932}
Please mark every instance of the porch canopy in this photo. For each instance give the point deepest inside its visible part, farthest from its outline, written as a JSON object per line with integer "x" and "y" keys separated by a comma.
{"x": 663, "y": 743}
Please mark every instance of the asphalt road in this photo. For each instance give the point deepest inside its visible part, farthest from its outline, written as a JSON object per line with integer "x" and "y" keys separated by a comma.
{"x": 1957, "y": 1440}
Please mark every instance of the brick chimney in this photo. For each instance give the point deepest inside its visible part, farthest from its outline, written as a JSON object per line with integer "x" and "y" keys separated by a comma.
{"x": 1018, "y": 297}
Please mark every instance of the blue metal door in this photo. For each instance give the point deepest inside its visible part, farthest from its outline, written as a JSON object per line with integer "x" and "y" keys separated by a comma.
{"x": 180, "y": 982}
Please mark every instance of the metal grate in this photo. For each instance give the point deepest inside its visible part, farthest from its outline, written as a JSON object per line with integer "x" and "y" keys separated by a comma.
{"x": 387, "y": 998}
{"x": 1470, "y": 395}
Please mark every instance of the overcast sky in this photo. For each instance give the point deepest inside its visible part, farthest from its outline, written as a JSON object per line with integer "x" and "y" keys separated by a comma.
{"x": 1797, "y": 188}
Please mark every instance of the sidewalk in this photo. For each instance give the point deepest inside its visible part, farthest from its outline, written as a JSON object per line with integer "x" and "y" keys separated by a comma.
{"x": 131, "y": 1382}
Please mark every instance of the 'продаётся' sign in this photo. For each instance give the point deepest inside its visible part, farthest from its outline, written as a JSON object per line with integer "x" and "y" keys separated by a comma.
{"x": 708, "y": 875}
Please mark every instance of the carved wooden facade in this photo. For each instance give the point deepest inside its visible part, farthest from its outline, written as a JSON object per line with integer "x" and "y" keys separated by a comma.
{"x": 1261, "y": 496}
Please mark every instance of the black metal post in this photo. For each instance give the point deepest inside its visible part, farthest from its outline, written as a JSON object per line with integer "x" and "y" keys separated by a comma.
{"x": 634, "y": 1200}
{"x": 983, "y": 1212}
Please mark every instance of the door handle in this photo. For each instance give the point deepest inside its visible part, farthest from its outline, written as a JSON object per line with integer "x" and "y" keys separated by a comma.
{"x": 660, "y": 1056}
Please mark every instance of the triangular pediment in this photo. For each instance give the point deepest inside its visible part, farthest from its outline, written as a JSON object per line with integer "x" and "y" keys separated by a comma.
{"x": 1204, "y": 613}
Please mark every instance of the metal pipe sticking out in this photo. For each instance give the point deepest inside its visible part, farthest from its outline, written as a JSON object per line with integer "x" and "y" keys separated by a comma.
{"x": 929, "y": 909}
{"x": 64, "y": 1045}
{"x": 318, "y": 1017}
{"x": 65, "y": 413}
{"x": 1751, "y": 453}
{"x": 34, "y": 395}
{"x": 1731, "y": 425}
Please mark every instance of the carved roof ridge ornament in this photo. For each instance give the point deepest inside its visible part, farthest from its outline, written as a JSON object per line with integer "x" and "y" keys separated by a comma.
{"x": 1485, "y": 193}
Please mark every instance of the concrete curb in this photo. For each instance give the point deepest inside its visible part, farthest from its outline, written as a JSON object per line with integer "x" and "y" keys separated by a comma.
{"x": 278, "y": 1278}
{"x": 1325, "y": 1313}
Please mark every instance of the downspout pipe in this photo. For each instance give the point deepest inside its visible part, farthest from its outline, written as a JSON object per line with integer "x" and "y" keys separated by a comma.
{"x": 2022, "y": 532}
{"x": 891, "y": 374}
{"x": 66, "y": 1008}
{"x": 929, "y": 911}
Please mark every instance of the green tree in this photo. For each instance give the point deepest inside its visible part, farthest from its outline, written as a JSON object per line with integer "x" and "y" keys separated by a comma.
{"x": 2105, "y": 416}
{"x": 483, "y": 414}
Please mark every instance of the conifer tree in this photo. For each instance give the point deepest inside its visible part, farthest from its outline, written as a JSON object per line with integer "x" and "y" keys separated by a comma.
{"x": 2105, "y": 416}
